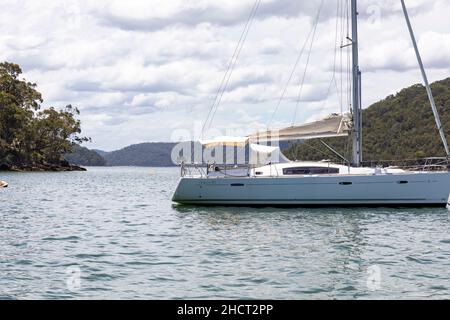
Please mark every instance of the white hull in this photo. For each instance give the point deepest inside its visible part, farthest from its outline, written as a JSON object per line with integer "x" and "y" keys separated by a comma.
{"x": 414, "y": 188}
{"x": 276, "y": 182}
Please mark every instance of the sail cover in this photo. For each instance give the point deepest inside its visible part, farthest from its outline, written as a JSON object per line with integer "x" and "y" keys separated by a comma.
{"x": 334, "y": 125}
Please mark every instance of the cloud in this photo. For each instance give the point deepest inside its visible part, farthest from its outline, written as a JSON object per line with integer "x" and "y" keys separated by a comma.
{"x": 435, "y": 48}
{"x": 142, "y": 16}
{"x": 399, "y": 55}
{"x": 271, "y": 46}
{"x": 140, "y": 69}
{"x": 138, "y": 15}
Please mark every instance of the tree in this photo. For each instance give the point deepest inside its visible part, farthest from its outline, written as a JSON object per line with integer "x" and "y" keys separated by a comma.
{"x": 55, "y": 133}
{"x": 28, "y": 134}
{"x": 18, "y": 101}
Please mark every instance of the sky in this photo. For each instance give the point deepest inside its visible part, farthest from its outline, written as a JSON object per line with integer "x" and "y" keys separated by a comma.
{"x": 142, "y": 71}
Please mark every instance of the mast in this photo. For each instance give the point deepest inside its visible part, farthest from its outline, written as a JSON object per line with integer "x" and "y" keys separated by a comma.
{"x": 425, "y": 80}
{"x": 356, "y": 90}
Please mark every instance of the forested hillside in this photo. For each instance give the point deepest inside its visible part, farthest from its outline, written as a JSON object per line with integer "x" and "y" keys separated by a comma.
{"x": 82, "y": 156}
{"x": 143, "y": 154}
{"x": 400, "y": 126}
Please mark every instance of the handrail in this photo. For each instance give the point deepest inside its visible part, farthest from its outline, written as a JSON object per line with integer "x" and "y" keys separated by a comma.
{"x": 204, "y": 170}
{"x": 421, "y": 164}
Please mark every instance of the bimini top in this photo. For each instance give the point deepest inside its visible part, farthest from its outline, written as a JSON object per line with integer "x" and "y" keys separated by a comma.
{"x": 333, "y": 126}
{"x": 225, "y": 141}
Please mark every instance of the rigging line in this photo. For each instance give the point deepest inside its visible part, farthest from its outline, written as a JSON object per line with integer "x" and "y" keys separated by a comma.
{"x": 333, "y": 80}
{"x": 335, "y": 56}
{"x": 307, "y": 63}
{"x": 341, "y": 16}
{"x": 229, "y": 67}
{"x": 348, "y": 20}
{"x": 349, "y": 61}
{"x": 345, "y": 32}
{"x": 317, "y": 149}
{"x": 335, "y": 41}
{"x": 230, "y": 64}
{"x": 299, "y": 56}
{"x": 334, "y": 151}
{"x": 345, "y": 54}
{"x": 238, "y": 49}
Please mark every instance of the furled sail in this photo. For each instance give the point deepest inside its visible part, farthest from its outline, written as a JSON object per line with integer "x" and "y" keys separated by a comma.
{"x": 335, "y": 125}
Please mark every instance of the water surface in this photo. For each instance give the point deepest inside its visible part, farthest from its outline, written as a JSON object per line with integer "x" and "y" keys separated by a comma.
{"x": 118, "y": 230}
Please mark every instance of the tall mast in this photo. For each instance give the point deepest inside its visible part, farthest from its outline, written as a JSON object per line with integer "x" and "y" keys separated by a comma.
{"x": 356, "y": 90}
{"x": 425, "y": 80}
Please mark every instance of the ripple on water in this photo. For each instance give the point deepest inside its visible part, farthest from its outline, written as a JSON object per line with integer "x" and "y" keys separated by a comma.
{"x": 61, "y": 238}
{"x": 419, "y": 260}
{"x": 130, "y": 242}
{"x": 91, "y": 255}
{"x": 443, "y": 288}
{"x": 148, "y": 263}
{"x": 100, "y": 277}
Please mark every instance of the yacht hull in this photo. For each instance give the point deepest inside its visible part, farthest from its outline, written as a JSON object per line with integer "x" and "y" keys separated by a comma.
{"x": 412, "y": 189}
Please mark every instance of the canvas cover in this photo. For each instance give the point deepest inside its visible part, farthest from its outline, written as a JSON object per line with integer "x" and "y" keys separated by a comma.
{"x": 332, "y": 126}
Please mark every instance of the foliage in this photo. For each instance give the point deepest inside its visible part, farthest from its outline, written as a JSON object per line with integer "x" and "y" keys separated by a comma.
{"x": 399, "y": 127}
{"x": 156, "y": 154}
{"x": 84, "y": 157}
{"x": 29, "y": 135}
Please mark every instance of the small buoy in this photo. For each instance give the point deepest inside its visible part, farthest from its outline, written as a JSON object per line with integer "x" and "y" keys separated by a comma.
{"x": 3, "y": 184}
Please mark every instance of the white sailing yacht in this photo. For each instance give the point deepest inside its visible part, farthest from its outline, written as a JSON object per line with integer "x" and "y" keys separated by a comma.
{"x": 322, "y": 183}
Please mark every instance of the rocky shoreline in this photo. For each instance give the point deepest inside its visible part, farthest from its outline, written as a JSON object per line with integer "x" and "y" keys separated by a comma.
{"x": 63, "y": 166}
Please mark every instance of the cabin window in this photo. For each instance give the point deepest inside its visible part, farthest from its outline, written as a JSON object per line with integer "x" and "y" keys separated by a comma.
{"x": 309, "y": 170}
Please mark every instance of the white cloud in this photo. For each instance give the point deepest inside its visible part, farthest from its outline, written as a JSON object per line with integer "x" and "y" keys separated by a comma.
{"x": 140, "y": 69}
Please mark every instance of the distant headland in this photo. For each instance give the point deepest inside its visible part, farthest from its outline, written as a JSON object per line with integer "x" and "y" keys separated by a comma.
{"x": 390, "y": 132}
{"x": 149, "y": 154}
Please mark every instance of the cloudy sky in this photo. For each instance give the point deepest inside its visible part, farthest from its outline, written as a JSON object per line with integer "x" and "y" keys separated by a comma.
{"x": 142, "y": 70}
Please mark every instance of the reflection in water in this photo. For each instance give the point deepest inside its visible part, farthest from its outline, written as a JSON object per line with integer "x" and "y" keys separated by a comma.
{"x": 119, "y": 229}
{"x": 327, "y": 243}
